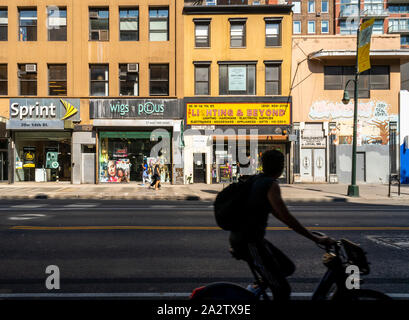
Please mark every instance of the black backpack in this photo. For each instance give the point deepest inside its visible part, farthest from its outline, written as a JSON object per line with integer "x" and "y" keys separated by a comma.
{"x": 230, "y": 204}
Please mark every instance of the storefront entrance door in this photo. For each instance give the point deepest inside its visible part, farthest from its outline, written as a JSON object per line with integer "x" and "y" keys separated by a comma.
{"x": 199, "y": 168}
{"x": 313, "y": 165}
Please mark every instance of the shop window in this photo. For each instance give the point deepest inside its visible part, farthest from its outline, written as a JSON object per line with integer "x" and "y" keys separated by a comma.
{"x": 202, "y": 33}
{"x": 4, "y": 21}
{"x": 57, "y": 24}
{"x": 99, "y": 80}
{"x": 273, "y": 33}
{"x": 159, "y": 79}
{"x": 99, "y": 24}
{"x": 3, "y": 80}
{"x": 273, "y": 79}
{"x": 129, "y": 24}
{"x": 237, "y": 33}
{"x": 124, "y": 155}
{"x": 237, "y": 79}
{"x": 202, "y": 79}
{"x": 27, "y": 24}
{"x": 57, "y": 79}
{"x": 159, "y": 24}
{"x": 27, "y": 75}
{"x": 128, "y": 79}
{"x": 43, "y": 156}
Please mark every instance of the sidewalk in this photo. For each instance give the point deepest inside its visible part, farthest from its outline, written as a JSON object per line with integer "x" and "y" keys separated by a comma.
{"x": 369, "y": 193}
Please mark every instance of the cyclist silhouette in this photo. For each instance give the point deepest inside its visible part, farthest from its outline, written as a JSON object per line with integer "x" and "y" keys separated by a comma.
{"x": 248, "y": 243}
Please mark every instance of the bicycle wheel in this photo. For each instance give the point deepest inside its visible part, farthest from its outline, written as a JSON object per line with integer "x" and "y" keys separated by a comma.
{"x": 362, "y": 295}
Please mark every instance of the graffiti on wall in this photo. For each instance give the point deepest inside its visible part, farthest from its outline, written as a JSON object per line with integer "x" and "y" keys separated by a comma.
{"x": 373, "y": 120}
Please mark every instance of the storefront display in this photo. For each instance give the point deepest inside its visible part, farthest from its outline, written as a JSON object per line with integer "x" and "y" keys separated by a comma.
{"x": 43, "y": 156}
{"x": 123, "y": 154}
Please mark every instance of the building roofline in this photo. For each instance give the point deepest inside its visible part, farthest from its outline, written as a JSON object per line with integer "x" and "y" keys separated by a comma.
{"x": 237, "y": 9}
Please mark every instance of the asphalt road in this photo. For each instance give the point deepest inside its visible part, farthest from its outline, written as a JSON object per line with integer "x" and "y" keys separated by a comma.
{"x": 166, "y": 249}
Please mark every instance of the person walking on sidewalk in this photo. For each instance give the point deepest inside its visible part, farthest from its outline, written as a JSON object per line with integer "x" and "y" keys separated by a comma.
{"x": 156, "y": 177}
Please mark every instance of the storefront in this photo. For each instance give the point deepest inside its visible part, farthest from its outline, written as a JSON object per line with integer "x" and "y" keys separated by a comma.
{"x": 133, "y": 133}
{"x": 234, "y": 133}
{"x": 41, "y": 133}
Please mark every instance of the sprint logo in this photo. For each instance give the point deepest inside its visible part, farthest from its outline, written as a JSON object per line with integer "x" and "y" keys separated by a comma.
{"x": 69, "y": 108}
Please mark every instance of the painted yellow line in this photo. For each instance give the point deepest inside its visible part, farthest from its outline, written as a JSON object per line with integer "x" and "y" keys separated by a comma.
{"x": 196, "y": 228}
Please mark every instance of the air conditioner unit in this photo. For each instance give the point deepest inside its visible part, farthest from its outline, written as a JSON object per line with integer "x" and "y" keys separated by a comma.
{"x": 31, "y": 68}
{"x": 318, "y": 14}
{"x": 93, "y": 14}
{"x": 103, "y": 35}
{"x": 133, "y": 67}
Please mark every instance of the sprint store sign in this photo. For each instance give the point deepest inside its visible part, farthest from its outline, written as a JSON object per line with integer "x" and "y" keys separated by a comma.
{"x": 42, "y": 114}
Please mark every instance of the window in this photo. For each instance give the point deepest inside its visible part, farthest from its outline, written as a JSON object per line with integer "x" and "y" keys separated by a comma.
{"x": 376, "y": 78}
{"x": 404, "y": 40}
{"x": 296, "y": 27}
{"x": 57, "y": 24}
{"x": 273, "y": 34}
{"x": 28, "y": 24}
{"x": 311, "y": 26}
{"x": 374, "y": 6}
{"x": 347, "y": 27}
{"x": 4, "y": 21}
{"x": 128, "y": 79}
{"x": 99, "y": 24}
{"x": 273, "y": 79}
{"x": 237, "y": 79}
{"x": 3, "y": 80}
{"x": 99, "y": 80}
{"x": 27, "y": 75}
{"x": 202, "y": 79}
{"x": 57, "y": 79}
{"x": 128, "y": 24}
{"x": 159, "y": 79}
{"x": 202, "y": 33}
{"x": 311, "y": 6}
{"x": 159, "y": 24}
{"x": 349, "y": 8}
{"x": 296, "y": 6}
{"x": 237, "y": 33}
{"x": 324, "y": 26}
{"x": 324, "y": 6}
{"x": 377, "y": 27}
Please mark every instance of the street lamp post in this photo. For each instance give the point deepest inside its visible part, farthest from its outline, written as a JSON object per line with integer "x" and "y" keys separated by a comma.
{"x": 353, "y": 189}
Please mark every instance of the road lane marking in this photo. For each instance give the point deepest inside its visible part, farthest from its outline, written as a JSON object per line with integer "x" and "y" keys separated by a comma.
{"x": 28, "y": 216}
{"x": 43, "y": 228}
{"x": 28, "y": 206}
{"x": 81, "y": 205}
{"x": 148, "y": 295}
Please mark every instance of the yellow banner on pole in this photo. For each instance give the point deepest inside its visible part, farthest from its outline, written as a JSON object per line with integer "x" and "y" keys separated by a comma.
{"x": 364, "y": 47}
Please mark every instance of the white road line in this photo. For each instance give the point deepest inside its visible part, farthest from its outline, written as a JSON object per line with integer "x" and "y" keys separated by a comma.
{"x": 146, "y": 295}
{"x": 82, "y": 205}
{"x": 29, "y": 206}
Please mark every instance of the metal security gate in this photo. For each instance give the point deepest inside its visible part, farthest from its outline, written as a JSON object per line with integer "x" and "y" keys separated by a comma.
{"x": 88, "y": 168}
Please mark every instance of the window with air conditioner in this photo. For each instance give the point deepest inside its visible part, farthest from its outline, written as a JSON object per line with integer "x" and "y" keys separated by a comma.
{"x": 98, "y": 24}
{"x": 27, "y": 79}
{"x": 129, "y": 79}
